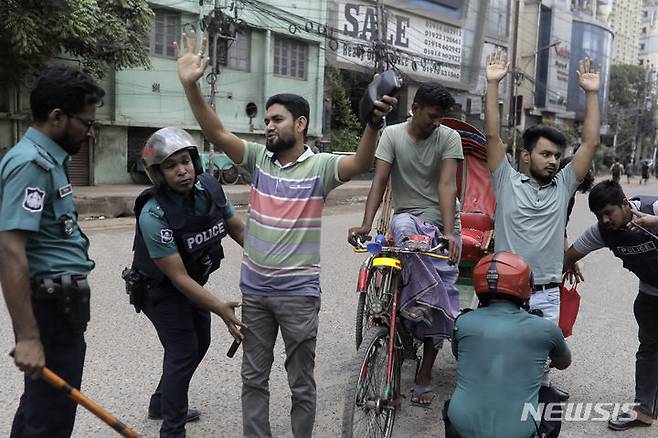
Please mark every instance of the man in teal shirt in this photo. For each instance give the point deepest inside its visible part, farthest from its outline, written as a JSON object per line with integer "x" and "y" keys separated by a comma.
{"x": 501, "y": 352}
{"x": 531, "y": 207}
{"x": 44, "y": 253}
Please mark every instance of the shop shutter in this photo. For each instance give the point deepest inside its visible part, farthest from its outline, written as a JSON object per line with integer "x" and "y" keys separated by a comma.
{"x": 79, "y": 167}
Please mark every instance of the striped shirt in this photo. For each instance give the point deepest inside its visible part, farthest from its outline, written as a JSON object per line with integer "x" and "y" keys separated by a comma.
{"x": 282, "y": 235}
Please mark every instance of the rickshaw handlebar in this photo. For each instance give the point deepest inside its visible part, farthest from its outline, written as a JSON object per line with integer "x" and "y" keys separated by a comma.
{"x": 442, "y": 245}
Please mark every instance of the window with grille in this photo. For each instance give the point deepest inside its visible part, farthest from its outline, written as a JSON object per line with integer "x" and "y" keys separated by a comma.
{"x": 290, "y": 58}
{"x": 236, "y": 53}
{"x": 166, "y": 29}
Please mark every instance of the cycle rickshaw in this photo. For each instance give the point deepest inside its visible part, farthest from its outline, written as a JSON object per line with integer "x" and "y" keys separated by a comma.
{"x": 373, "y": 393}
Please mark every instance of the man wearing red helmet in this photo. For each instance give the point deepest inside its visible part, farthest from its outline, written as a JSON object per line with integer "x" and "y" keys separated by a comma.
{"x": 501, "y": 351}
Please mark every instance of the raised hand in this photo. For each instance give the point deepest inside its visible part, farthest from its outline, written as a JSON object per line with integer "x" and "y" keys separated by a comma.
{"x": 191, "y": 64}
{"x": 497, "y": 66}
{"x": 588, "y": 75}
{"x": 382, "y": 108}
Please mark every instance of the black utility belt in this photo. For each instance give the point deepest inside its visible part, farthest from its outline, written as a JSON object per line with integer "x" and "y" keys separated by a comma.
{"x": 71, "y": 294}
{"x": 49, "y": 288}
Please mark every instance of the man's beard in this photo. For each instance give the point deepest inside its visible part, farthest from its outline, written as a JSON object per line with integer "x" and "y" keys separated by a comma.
{"x": 540, "y": 177}
{"x": 280, "y": 144}
{"x": 71, "y": 146}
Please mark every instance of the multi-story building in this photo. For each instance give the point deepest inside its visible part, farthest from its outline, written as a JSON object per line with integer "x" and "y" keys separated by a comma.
{"x": 625, "y": 22}
{"x": 266, "y": 57}
{"x": 648, "y": 55}
{"x": 553, "y": 36}
{"x": 649, "y": 59}
{"x": 441, "y": 40}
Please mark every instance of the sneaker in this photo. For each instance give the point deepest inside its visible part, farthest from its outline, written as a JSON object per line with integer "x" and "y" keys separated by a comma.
{"x": 625, "y": 421}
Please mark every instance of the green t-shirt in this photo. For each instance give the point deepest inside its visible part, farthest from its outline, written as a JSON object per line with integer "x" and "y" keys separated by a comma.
{"x": 416, "y": 168}
{"x": 502, "y": 352}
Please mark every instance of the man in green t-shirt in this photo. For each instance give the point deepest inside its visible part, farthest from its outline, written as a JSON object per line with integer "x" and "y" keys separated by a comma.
{"x": 420, "y": 156}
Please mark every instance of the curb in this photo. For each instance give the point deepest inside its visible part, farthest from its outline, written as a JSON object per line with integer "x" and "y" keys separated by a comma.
{"x": 122, "y": 205}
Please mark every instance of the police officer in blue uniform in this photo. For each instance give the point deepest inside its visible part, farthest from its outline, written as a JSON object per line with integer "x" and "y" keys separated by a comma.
{"x": 181, "y": 223}
{"x": 44, "y": 253}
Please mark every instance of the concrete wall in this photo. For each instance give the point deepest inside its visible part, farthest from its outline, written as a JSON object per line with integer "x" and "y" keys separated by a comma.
{"x": 6, "y": 136}
{"x": 110, "y": 156}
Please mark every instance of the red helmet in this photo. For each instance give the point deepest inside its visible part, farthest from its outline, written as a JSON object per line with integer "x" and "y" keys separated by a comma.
{"x": 502, "y": 273}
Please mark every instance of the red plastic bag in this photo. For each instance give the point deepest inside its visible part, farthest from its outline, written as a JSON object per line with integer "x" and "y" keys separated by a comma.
{"x": 569, "y": 305}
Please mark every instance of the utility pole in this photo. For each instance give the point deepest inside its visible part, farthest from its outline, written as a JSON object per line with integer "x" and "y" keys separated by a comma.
{"x": 380, "y": 47}
{"x": 512, "y": 98}
{"x": 213, "y": 39}
{"x": 637, "y": 137}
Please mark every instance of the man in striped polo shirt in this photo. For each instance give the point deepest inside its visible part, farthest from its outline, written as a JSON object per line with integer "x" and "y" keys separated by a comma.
{"x": 280, "y": 274}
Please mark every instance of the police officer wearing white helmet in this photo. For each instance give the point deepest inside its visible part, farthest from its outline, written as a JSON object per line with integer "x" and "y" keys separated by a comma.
{"x": 180, "y": 226}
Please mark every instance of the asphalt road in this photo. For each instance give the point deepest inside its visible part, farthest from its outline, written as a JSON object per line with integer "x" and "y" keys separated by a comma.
{"x": 124, "y": 355}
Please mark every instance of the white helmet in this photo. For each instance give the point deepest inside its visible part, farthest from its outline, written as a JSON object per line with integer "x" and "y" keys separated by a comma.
{"x": 163, "y": 144}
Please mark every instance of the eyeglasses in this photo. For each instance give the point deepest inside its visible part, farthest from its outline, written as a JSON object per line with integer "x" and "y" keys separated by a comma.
{"x": 88, "y": 123}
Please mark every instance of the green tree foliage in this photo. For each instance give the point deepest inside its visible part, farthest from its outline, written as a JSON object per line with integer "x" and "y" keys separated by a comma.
{"x": 345, "y": 127}
{"x": 627, "y": 84}
{"x": 627, "y": 113}
{"x": 100, "y": 33}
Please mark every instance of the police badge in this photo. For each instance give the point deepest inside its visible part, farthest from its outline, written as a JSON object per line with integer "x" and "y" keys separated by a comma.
{"x": 33, "y": 201}
{"x": 68, "y": 226}
{"x": 166, "y": 235}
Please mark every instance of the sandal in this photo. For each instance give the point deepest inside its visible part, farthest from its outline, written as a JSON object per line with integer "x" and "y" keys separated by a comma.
{"x": 417, "y": 392}
{"x": 418, "y": 314}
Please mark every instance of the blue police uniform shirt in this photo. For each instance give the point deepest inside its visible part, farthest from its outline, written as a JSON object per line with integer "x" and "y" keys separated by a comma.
{"x": 156, "y": 231}
{"x": 36, "y": 196}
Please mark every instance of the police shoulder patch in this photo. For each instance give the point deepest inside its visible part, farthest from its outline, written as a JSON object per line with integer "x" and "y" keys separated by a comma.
{"x": 166, "y": 235}
{"x": 34, "y": 198}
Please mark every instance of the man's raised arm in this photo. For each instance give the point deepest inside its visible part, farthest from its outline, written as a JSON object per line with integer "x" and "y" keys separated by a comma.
{"x": 360, "y": 162}
{"x": 496, "y": 70}
{"x": 588, "y": 79}
{"x": 191, "y": 67}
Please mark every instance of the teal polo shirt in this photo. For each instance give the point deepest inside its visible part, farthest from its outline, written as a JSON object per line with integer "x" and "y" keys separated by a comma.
{"x": 36, "y": 196}
{"x": 155, "y": 229}
{"x": 501, "y": 354}
{"x": 530, "y": 219}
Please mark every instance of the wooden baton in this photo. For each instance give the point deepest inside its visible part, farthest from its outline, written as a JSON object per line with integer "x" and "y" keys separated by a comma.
{"x": 89, "y": 404}
{"x": 58, "y": 383}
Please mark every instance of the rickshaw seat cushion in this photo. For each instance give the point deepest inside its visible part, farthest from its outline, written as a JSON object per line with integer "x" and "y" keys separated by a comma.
{"x": 474, "y": 243}
{"x": 477, "y": 221}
